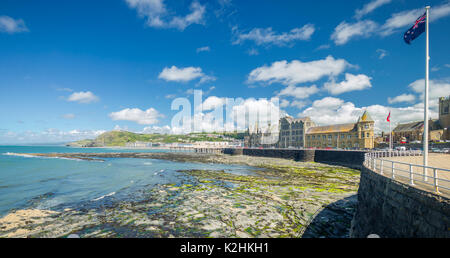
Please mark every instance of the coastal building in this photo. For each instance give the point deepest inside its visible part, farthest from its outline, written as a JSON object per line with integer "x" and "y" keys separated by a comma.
{"x": 444, "y": 117}
{"x": 261, "y": 137}
{"x": 438, "y": 128}
{"x": 303, "y": 132}
{"x": 353, "y": 135}
{"x": 292, "y": 131}
{"x": 210, "y": 144}
{"x": 413, "y": 131}
{"x": 138, "y": 144}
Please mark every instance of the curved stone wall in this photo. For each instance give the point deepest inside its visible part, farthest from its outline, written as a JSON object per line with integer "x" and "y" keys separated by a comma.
{"x": 392, "y": 209}
{"x": 353, "y": 159}
{"x": 298, "y": 155}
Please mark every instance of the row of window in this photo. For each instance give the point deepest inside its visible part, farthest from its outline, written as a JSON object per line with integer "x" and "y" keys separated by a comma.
{"x": 296, "y": 138}
{"x": 330, "y": 137}
{"x": 341, "y": 145}
{"x": 296, "y": 132}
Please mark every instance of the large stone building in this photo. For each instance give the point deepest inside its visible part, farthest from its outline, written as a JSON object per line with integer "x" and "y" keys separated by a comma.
{"x": 444, "y": 116}
{"x": 439, "y": 129}
{"x": 292, "y": 131}
{"x": 354, "y": 135}
{"x": 257, "y": 137}
{"x": 409, "y": 132}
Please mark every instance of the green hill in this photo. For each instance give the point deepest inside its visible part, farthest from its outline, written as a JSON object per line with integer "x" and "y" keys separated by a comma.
{"x": 121, "y": 138}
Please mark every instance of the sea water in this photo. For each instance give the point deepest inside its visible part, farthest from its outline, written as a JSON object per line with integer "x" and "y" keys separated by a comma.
{"x": 58, "y": 183}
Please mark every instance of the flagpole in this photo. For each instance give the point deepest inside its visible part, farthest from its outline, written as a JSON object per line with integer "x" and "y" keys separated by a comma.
{"x": 390, "y": 133}
{"x": 425, "y": 129}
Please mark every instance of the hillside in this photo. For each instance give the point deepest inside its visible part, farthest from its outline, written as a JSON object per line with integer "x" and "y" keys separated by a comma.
{"x": 121, "y": 138}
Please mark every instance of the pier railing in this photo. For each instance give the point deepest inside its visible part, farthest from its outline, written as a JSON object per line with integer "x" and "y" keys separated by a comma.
{"x": 426, "y": 177}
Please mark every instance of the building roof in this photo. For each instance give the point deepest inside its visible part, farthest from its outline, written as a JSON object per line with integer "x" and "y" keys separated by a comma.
{"x": 341, "y": 128}
{"x": 418, "y": 125}
{"x": 407, "y": 127}
{"x": 365, "y": 117}
{"x": 290, "y": 119}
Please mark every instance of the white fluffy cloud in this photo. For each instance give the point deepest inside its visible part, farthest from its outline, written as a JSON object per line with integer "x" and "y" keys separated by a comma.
{"x": 267, "y": 36}
{"x": 157, "y": 129}
{"x": 405, "y": 18}
{"x": 244, "y": 113}
{"x": 370, "y": 7}
{"x": 184, "y": 74}
{"x": 437, "y": 88}
{"x": 158, "y": 16}
{"x": 212, "y": 102}
{"x": 83, "y": 97}
{"x": 351, "y": 83}
{"x": 284, "y": 103}
{"x": 295, "y": 72}
{"x": 11, "y": 26}
{"x": 262, "y": 110}
{"x": 299, "y": 92}
{"x": 399, "y": 20}
{"x": 346, "y": 31}
{"x": 298, "y": 104}
{"x": 331, "y": 110}
{"x": 402, "y": 98}
{"x": 147, "y": 117}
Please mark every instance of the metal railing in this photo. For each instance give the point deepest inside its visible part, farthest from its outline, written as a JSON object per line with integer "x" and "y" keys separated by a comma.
{"x": 416, "y": 175}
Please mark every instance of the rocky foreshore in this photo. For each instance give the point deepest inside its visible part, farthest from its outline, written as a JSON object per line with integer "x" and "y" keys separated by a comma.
{"x": 283, "y": 199}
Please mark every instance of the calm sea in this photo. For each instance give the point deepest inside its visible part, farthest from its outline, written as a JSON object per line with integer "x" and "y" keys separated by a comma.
{"x": 55, "y": 183}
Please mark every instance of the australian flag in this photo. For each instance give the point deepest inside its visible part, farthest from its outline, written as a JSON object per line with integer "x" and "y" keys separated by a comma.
{"x": 417, "y": 29}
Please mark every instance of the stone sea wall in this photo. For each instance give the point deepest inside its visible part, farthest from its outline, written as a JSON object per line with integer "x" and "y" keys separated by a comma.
{"x": 297, "y": 155}
{"x": 353, "y": 159}
{"x": 392, "y": 209}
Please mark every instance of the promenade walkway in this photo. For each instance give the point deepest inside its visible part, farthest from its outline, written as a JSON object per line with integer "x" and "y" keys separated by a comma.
{"x": 402, "y": 171}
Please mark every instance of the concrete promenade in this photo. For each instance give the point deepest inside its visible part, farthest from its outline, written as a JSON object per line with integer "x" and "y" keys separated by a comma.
{"x": 441, "y": 161}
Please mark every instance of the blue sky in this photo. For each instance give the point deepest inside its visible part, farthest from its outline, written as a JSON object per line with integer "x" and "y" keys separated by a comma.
{"x": 73, "y": 69}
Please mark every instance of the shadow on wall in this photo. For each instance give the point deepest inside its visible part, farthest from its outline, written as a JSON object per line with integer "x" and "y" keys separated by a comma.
{"x": 334, "y": 220}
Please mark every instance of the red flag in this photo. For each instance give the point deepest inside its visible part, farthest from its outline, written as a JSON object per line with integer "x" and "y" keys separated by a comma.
{"x": 389, "y": 117}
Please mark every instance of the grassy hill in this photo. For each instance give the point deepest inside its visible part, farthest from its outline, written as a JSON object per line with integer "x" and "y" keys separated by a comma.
{"x": 121, "y": 138}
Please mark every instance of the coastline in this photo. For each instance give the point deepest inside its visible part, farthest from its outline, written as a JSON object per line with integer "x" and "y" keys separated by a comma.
{"x": 282, "y": 200}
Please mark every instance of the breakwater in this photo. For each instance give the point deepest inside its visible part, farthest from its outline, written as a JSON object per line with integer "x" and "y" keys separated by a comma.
{"x": 352, "y": 159}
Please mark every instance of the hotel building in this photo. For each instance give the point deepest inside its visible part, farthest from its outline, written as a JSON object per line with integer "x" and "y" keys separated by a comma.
{"x": 354, "y": 135}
